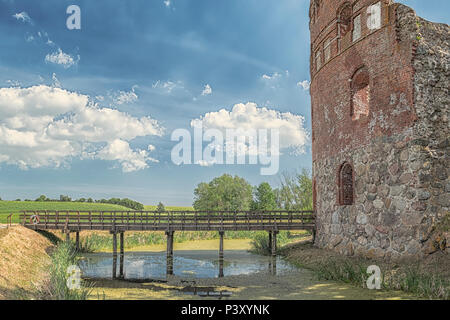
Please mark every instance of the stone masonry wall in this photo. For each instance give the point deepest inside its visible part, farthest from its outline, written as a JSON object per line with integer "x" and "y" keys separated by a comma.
{"x": 399, "y": 153}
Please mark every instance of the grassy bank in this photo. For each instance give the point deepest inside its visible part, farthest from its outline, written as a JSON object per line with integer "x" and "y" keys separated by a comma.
{"x": 426, "y": 278}
{"x": 33, "y": 265}
{"x": 24, "y": 256}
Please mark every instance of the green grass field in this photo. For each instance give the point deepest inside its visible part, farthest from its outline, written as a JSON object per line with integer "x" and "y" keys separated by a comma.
{"x": 16, "y": 207}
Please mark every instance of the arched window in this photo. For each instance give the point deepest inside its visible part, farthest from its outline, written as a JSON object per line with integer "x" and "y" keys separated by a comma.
{"x": 318, "y": 60}
{"x": 314, "y": 10}
{"x": 360, "y": 89}
{"x": 346, "y": 185}
{"x": 344, "y": 19}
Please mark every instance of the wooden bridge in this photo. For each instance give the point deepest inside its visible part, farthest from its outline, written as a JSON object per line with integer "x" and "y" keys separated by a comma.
{"x": 118, "y": 222}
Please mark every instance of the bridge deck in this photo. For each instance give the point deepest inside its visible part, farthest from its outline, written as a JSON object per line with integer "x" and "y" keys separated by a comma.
{"x": 119, "y": 221}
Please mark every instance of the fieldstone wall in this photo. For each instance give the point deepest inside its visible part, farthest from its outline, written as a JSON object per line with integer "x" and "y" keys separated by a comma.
{"x": 401, "y": 171}
{"x": 431, "y": 131}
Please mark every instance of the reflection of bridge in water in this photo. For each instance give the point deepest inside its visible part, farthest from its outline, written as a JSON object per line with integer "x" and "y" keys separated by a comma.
{"x": 118, "y": 222}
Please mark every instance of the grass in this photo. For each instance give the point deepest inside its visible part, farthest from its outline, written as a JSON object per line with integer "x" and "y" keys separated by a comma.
{"x": 414, "y": 278}
{"x": 56, "y": 287}
{"x": 95, "y": 241}
{"x": 16, "y": 207}
{"x": 260, "y": 240}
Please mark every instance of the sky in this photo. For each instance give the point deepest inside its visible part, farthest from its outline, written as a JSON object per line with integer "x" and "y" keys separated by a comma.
{"x": 90, "y": 112}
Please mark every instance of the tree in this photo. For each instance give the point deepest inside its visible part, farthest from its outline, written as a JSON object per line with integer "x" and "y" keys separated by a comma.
{"x": 64, "y": 198}
{"x": 295, "y": 192}
{"x": 225, "y": 193}
{"x": 160, "y": 207}
{"x": 42, "y": 198}
{"x": 264, "y": 198}
{"x": 90, "y": 200}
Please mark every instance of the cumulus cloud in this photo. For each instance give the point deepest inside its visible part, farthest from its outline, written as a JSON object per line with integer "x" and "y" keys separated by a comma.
{"x": 247, "y": 117}
{"x": 45, "y": 126}
{"x": 61, "y": 58}
{"x": 304, "y": 84}
{"x": 207, "y": 90}
{"x": 130, "y": 160}
{"x": 23, "y": 16}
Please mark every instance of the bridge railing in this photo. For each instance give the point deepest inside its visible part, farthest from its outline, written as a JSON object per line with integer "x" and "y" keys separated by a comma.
{"x": 171, "y": 220}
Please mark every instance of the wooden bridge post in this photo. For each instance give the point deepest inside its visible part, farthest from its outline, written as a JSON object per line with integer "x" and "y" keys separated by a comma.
{"x": 221, "y": 233}
{"x": 169, "y": 268}
{"x": 77, "y": 240}
{"x": 114, "y": 267}
{"x": 270, "y": 241}
{"x": 67, "y": 232}
{"x": 274, "y": 252}
{"x": 122, "y": 254}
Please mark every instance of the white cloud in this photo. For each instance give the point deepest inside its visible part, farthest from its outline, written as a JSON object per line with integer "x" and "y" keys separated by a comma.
{"x": 272, "y": 81}
{"x": 274, "y": 76}
{"x": 249, "y": 116}
{"x": 61, "y": 58}
{"x": 55, "y": 81}
{"x": 304, "y": 84}
{"x": 13, "y": 83}
{"x": 23, "y": 16}
{"x": 167, "y": 86}
{"x": 130, "y": 160}
{"x": 167, "y": 3}
{"x": 123, "y": 97}
{"x": 44, "y": 126}
{"x": 204, "y": 163}
{"x": 207, "y": 90}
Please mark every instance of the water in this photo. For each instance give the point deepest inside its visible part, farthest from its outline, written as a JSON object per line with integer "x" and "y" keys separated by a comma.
{"x": 187, "y": 264}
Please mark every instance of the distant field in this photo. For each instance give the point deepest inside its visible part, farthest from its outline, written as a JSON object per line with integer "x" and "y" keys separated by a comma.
{"x": 169, "y": 208}
{"x": 15, "y": 207}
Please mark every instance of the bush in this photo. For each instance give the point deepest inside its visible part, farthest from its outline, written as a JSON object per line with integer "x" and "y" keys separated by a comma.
{"x": 56, "y": 287}
{"x": 260, "y": 242}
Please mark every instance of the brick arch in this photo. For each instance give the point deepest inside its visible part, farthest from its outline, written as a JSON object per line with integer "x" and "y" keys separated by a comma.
{"x": 346, "y": 184}
{"x": 360, "y": 93}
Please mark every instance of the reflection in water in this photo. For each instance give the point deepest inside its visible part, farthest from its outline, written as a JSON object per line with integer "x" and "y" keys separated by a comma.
{"x": 187, "y": 264}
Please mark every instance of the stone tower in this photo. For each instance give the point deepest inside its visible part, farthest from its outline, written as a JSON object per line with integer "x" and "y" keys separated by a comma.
{"x": 380, "y": 128}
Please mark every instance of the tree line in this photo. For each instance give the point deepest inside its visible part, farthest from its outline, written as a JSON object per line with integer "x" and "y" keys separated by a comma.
{"x": 125, "y": 202}
{"x": 228, "y": 193}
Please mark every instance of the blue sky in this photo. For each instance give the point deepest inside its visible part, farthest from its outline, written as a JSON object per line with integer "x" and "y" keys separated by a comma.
{"x": 149, "y": 67}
